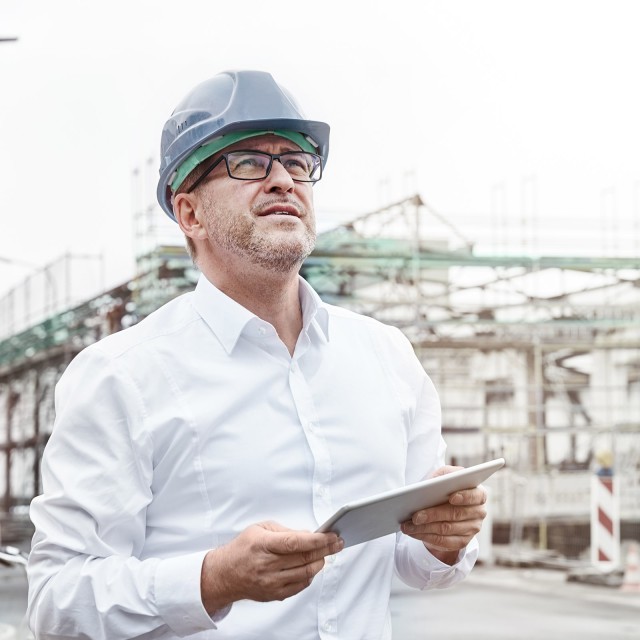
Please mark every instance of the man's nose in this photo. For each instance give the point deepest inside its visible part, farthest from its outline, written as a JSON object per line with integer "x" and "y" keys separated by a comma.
{"x": 279, "y": 178}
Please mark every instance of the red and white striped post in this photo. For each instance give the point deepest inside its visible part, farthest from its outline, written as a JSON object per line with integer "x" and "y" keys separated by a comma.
{"x": 605, "y": 520}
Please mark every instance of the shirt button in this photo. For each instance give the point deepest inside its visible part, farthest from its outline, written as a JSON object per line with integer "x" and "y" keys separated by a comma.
{"x": 328, "y": 626}
{"x": 311, "y": 426}
{"x": 321, "y": 491}
{"x": 262, "y": 331}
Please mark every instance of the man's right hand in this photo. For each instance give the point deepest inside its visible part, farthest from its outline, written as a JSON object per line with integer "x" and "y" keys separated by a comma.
{"x": 265, "y": 562}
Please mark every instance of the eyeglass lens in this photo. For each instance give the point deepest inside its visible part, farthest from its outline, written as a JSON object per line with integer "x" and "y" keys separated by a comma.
{"x": 254, "y": 165}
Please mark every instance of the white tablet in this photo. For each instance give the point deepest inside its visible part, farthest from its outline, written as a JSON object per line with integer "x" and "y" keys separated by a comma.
{"x": 382, "y": 514}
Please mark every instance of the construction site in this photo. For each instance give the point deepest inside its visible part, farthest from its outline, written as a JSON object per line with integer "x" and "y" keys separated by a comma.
{"x": 536, "y": 356}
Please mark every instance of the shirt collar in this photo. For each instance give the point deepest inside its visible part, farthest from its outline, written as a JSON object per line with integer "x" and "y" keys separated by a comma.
{"x": 314, "y": 311}
{"x": 228, "y": 319}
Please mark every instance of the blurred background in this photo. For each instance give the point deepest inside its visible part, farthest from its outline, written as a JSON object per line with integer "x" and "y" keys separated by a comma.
{"x": 482, "y": 193}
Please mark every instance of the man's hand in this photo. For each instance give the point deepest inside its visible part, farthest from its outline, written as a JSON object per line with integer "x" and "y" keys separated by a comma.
{"x": 265, "y": 562}
{"x": 448, "y": 528}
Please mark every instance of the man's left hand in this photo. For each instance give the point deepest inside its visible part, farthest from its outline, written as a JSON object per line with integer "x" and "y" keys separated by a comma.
{"x": 448, "y": 528}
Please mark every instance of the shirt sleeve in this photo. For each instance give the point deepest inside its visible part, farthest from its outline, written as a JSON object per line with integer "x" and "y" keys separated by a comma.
{"x": 414, "y": 565}
{"x": 86, "y": 575}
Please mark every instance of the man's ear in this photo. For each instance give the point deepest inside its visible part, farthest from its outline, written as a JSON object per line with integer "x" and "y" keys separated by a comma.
{"x": 185, "y": 209}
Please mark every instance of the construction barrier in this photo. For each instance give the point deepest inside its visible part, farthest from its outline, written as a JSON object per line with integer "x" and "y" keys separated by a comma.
{"x": 605, "y": 522}
{"x": 631, "y": 580}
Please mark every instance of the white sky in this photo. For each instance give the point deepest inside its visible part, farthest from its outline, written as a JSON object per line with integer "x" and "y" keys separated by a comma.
{"x": 479, "y": 99}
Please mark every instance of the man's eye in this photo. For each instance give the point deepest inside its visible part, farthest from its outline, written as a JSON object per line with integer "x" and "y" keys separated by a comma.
{"x": 249, "y": 161}
{"x": 248, "y": 165}
{"x": 294, "y": 163}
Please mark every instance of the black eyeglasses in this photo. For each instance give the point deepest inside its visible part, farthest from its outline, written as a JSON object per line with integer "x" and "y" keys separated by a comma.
{"x": 256, "y": 165}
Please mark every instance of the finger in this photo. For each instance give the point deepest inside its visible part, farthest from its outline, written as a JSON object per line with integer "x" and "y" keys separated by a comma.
{"x": 469, "y": 496}
{"x": 281, "y": 592}
{"x": 291, "y": 589}
{"x": 296, "y": 540}
{"x": 285, "y": 583}
{"x": 294, "y": 560}
{"x": 451, "y": 541}
{"x": 443, "y": 543}
{"x": 305, "y": 573}
{"x": 308, "y": 557}
{"x": 449, "y": 513}
{"x": 270, "y": 580}
{"x": 303, "y": 544}
{"x": 467, "y": 528}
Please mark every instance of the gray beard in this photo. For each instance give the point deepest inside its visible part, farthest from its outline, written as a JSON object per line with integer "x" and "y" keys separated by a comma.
{"x": 276, "y": 257}
{"x": 239, "y": 236}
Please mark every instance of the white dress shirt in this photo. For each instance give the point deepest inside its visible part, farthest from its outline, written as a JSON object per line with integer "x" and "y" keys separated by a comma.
{"x": 173, "y": 436}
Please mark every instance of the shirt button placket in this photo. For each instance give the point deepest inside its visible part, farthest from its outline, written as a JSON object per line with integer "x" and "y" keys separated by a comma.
{"x": 321, "y": 496}
{"x": 327, "y": 605}
{"x": 307, "y": 414}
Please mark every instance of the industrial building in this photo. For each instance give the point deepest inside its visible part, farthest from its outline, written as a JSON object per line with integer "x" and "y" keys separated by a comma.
{"x": 536, "y": 357}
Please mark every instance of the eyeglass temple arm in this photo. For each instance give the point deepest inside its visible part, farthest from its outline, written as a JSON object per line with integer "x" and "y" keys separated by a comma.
{"x": 205, "y": 174}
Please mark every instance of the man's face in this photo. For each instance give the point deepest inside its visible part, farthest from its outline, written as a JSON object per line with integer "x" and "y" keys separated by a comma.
{"x": 267, "y": 222}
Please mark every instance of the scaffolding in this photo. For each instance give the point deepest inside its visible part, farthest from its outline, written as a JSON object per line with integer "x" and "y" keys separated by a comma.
{"x": 47, "y": 290}
{"x": 536, "y": 358}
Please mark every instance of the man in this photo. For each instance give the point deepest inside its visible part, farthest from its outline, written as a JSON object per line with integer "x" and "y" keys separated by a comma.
{"x": 195, "y": 454}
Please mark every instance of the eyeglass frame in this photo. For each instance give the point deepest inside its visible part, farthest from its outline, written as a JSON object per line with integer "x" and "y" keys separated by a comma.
{"x": 273, "y": 156}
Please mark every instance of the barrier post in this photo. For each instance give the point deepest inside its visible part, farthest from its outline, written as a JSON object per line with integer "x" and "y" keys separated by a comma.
{"x": 605, "y": 517}
{"x": 631, "y": 579}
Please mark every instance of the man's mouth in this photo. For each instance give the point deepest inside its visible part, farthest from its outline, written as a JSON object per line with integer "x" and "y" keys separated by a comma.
{"x": 280, "y": 210}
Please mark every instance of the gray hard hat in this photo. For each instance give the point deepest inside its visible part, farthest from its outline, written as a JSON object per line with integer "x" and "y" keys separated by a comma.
{"x": 229, "y": 103}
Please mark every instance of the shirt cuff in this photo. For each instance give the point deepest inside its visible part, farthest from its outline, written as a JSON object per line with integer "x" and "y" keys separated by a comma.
{"x": 418, "y": 568}
{"x": 443, "y": 574}
{"x": 178, "y": 597}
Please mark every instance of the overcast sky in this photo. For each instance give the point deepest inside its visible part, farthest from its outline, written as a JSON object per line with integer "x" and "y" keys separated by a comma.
{"x": 487, "y": 108}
